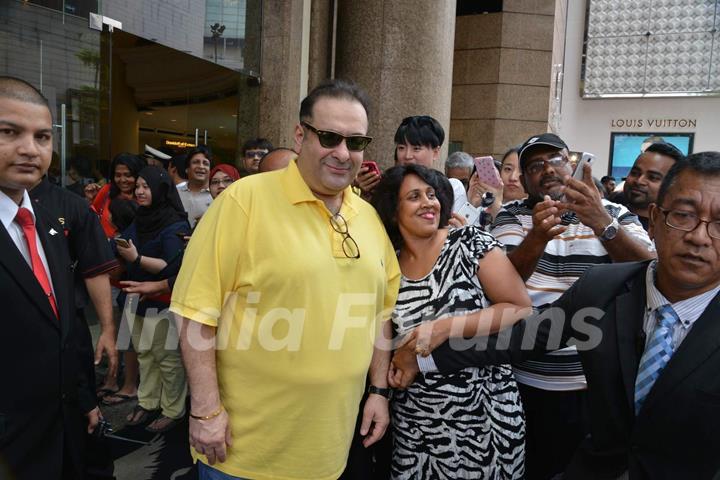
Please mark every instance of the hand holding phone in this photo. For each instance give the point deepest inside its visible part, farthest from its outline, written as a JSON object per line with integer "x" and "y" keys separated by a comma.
{"x": 587, "y": 158}
{"x": 486, "y": 171}
{"x": 372, "y": 167}
{"x": 469, "y": 213}
{"x": 121, "y": 242}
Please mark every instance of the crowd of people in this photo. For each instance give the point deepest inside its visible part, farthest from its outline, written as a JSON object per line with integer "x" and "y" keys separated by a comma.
{"x": 318, "y": 318}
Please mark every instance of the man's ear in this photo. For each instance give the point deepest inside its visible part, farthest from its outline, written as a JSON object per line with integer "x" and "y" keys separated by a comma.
{"x": 652, "y": 214}
{"x": 298, "y": 137}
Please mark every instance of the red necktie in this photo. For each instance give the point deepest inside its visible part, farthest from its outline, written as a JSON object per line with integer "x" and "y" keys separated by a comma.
{"x": 25, "y": 219}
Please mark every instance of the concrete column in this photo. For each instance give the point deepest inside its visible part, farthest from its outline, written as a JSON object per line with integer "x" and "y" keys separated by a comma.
{"x": 401, "y": 52}
{"x": 558, "y": 65}
{"x": 502, "y": 72}
{"x": 321, "y": 31}
{"x": 283, "y": 30}
{"x": 253, "y": 36}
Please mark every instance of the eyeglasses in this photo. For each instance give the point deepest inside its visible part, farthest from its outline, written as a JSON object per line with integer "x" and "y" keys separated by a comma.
{"x": 555, "y": 162}
{"x": 349, "y": 245}
{"x": 328, "y": 139}
{"x": 688, "y": 222}
{"x": 222, "y": 181}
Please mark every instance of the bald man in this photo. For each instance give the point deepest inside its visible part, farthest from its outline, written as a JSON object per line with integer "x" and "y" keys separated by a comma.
{"x": 276, "y": 159}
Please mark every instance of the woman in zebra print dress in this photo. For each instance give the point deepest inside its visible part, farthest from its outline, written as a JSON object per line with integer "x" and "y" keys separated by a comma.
{"x": 465, "y": 424}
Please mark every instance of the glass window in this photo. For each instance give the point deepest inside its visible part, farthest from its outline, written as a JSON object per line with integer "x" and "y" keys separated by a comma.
{"x": 216, "y": 30}
{"x": 65, "y": 65}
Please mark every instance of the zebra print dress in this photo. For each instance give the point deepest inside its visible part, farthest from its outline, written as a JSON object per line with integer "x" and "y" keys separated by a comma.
{"x": 467, "y": 424}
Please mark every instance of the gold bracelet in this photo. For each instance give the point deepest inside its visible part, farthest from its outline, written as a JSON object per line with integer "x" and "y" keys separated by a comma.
{"x": 208, "y": 417}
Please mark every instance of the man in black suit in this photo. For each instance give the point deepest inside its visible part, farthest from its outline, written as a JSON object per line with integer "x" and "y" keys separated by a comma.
{"x": 648, "y": 334}
{"x": 46, "y": 401}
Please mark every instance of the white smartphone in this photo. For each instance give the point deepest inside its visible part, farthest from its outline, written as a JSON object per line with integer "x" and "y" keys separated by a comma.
{"x": 587, "y": 158}
{"x": 470, "y": 213}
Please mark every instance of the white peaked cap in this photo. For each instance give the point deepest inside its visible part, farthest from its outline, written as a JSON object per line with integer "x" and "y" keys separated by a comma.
{"x": 156, "y": 153}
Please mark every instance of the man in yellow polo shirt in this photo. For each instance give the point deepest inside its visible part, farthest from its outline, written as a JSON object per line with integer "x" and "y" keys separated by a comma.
{"x": 286, "y": 283}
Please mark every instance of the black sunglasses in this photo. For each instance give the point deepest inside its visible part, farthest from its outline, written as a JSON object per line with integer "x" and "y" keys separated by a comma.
{"x": 328, "y": 139}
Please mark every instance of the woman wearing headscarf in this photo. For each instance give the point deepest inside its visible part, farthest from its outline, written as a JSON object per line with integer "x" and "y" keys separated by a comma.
{"x": 124, "y": 170}
{"x": 221, "y": 177}
{"x": 152, "y": 243}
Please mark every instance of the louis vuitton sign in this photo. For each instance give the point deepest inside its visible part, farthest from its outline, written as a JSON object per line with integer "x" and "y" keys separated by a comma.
{"x": 653, "y": 123}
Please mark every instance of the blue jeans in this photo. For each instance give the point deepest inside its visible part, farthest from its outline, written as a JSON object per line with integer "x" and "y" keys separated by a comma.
{"x": 206, "y": 472}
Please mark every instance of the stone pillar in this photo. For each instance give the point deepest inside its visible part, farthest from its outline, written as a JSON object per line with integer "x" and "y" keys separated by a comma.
{"x": 253, "y": 36}
{"x": 321, "y": 31}
{"x": 502, "y": 71}
{"x": 401, "y": 52}
{"x": 282, "y": 54}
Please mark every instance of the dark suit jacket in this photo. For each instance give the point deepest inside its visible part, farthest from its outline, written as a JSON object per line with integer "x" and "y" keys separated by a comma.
{"x": 44, "y": 389}
{"x": 677, "y": 432}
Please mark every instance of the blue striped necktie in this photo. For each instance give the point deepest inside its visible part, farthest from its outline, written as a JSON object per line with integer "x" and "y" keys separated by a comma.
{"x": 657, "y": 354}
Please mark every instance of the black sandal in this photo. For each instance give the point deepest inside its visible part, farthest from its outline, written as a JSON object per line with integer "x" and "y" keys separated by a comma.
{"x": 144, "y": 417}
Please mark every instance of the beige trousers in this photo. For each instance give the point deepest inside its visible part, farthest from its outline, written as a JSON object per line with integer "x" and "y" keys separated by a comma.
{"x": 163, "y": 382}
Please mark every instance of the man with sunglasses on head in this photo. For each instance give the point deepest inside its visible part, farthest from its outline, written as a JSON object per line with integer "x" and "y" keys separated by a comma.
{"x": 562, "y": 229}
{"x": 253, "y": 151}
{"x": 296, "y": 276}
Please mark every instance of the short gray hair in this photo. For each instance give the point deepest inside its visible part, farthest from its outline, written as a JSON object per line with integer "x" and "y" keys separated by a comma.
{"x": 459, "y": 160}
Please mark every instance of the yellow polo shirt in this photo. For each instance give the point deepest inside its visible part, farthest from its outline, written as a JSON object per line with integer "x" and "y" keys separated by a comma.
{"x": 296, "y": 320}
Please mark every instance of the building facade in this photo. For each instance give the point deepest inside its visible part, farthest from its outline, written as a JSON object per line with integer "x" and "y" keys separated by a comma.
{"x": 172, "y": 74}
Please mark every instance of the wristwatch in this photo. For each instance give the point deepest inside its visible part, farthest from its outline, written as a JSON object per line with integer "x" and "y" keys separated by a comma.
{"x": 385, "y": 392}
{"x": 610, "y": 231}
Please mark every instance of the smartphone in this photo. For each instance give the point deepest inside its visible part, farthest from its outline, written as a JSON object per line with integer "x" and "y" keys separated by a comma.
{"x": 487, "y": 173}
{"x": 372, "y": 167}
{"x": 587, "y": 158}
{"x": 122, "y": 242}
{"x": 470, "y": 213}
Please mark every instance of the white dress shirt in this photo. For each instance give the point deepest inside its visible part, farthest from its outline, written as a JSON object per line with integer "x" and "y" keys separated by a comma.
{"x": 688, "y": 311}
{"x": 459, "y": 194}
{"x": 194, "y": 203}
{"x": 8, "y": 211}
